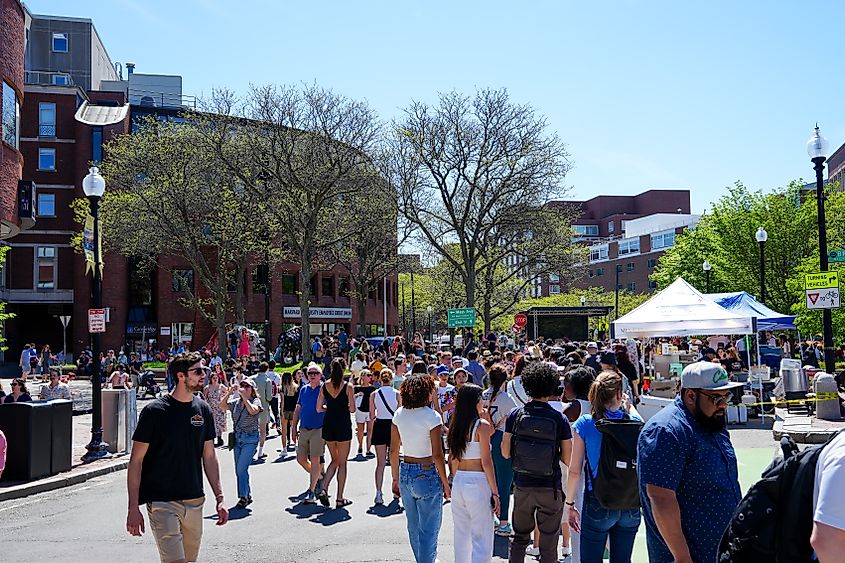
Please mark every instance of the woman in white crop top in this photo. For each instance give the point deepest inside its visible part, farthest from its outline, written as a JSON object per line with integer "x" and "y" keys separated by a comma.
{"x": 474, "y": 501}
{"x": 421, "y": 477}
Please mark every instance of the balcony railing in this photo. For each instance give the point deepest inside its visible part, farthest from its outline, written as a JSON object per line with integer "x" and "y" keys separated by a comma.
{"x": 44, "y": 78}
{"x": 157, "y": 99}
{"x": 47, "y": 130}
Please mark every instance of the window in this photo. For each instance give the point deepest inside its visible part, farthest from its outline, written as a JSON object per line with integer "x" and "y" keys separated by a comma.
{"x": 598, "y": 253}
{"x": 599, "y": 271}
{"x": 96, "y": 144}
{"x": 45, "y": 267}
{"x": 314, "y": 285}
{"x": 554, "y": 278}
{"x": 590, "y": 273}
{"x": 620, "y": 287}
{"x": 343, "y": 288}
{"x": 327, "y": 286}
{"x": 664, "y": 239}
{"x": 632, "y": 286}
{"x": 610, "y": 227}
{"x": 46, "y": 205}
{"x": 183, "y": 280}
{"x": 652, "y": 284}
{"x": 554, "y": 289}
{"x": 60, "y": 79}
{"x": 586, "y": 230}
{"x": 60, "y": 42}
{"x": 652, "y": 262}
{"x": 629, "y": 246}
{"x": 289, "y": 284}
{"x": 11, "y": 117}
{"x": 629, "y": 267}
{"x": 260, "y": 277}
{"x": 47, "y": 159}
{"x": 46, "y": 119}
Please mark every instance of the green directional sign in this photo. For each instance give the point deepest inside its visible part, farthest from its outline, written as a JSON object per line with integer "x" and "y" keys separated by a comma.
{"x": 836, "y": 256}
{"x": 461, "y": 317}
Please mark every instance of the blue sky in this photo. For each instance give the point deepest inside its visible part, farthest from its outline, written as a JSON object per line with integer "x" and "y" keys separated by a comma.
{"x": 646, "y": 94}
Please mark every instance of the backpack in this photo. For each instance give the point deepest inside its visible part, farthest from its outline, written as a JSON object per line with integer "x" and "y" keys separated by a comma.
{"x": 616, "y": 485}
{"x": 774, "y": 520}
{"x": 535, "y": 446}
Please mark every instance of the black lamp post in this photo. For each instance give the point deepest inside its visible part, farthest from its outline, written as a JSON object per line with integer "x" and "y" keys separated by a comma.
{"x": 762, "y": 236}
{"x": 707, "y": 267}
{"x": 817, "y": 149}
{"x": 616, "y": 309}
{"x": 94, "y": 186}
{"x": 430, "y": 330}
{"x": 268, "y": 342}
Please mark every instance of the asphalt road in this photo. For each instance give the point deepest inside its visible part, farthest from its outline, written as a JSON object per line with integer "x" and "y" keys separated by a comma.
{"x": 86, "y": 522}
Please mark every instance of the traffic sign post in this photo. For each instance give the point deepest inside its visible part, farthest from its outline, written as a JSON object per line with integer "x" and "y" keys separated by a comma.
{"x": 821, "y": 290}
{"x": 460, "y": 317}
{"x": 836, "y": 256}
{"x": 517, "y": 328}
{"x": 96, "y": 320}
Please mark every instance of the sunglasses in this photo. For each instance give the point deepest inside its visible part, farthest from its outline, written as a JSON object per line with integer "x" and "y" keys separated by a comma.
{"x": 314, "y": 373}
{"x": 199, "y": 370}
{"x": 717, "y": 400}
{"x": 15, "y": 384}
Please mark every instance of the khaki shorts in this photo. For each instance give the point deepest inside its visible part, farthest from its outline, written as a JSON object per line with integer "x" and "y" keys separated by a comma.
{"x": 311, "y": 442}
{"x": 177, "y": 528}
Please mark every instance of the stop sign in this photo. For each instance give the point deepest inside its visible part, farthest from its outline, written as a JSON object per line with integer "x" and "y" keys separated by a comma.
{"x": 520, "y": 320}
{"x": 516, "y": 328}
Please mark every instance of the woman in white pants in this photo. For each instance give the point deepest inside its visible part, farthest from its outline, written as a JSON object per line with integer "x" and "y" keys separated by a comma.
{"x": 473, "y": 498}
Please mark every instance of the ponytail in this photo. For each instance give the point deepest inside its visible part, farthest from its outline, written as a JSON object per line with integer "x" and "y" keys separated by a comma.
{"x": 604, "y": 389}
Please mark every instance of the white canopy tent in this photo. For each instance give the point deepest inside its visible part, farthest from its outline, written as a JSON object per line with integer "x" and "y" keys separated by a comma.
{"x": 680, "y": 310}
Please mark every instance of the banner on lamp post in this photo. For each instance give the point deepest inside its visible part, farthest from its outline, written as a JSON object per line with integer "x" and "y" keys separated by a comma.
{"x": 88, "y": 245}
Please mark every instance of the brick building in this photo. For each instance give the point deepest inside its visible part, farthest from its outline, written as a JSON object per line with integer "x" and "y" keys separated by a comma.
{"x": 15, "y": 208}
{"x": 628, "y": 233}
{"x": 75, "y": 102}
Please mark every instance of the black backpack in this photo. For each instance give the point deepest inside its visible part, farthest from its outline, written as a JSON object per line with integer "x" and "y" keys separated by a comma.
{"x": 774, "y": 520}
{"x": 535, "y": 449}
{"x": 616, "y": 485}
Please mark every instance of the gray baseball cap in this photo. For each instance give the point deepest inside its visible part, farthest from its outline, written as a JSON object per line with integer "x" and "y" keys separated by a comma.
{"x": 707, "y": 375}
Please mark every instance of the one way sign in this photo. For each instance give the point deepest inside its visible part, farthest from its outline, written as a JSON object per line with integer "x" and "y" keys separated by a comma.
{"x": 822, "y": 298}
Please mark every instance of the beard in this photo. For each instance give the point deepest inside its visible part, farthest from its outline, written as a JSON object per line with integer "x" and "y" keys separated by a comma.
{"x": 196, "y": 387}
{"x": 713, "y": 423}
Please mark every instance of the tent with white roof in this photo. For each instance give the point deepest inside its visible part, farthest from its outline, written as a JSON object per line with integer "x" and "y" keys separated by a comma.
{"x": 681, "y": 310}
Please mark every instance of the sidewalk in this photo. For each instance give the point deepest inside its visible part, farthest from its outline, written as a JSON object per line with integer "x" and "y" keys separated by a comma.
{"x": 804, "y": 429}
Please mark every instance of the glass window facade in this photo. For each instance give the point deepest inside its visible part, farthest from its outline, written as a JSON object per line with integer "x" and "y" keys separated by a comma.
{"x": 46, "y": 119}
{"x": 629, "y": 246}
{"x": 664, "y": 239}
{"x": 60, "y": 43}
{"x": 46, "y": 159}
{"x": 11, "y": 117}
{"x": 183, "y": 280}
{"x": 46, "y": 206}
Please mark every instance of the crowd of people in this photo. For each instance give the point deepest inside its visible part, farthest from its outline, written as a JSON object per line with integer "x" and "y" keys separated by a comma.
{"x": 516, "y": 440}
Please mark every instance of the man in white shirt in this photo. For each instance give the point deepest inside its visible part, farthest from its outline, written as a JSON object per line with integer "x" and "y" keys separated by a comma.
{"x": 358, "y": 364}
{"x": 828, "y": 538}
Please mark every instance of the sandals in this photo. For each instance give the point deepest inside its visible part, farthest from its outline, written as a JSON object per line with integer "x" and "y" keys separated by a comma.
{"x": 341, "y": 502}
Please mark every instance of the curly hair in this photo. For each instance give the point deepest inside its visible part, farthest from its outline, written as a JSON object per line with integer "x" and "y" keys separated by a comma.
{"x": 182, "y": 362}
{"x": 540, "y": 380}
{"x": 416, "y": 391}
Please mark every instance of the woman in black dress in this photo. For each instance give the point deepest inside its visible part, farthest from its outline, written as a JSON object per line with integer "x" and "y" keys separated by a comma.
{"x": 338, "y": 402}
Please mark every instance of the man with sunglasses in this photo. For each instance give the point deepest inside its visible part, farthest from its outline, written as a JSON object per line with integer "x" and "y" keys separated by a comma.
{"x": 687, "y": 467}
{"x": 172, "y": 445}
{"x": 310, "y": 445}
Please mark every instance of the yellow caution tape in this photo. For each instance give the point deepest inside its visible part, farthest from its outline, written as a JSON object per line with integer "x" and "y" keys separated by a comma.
{"x": 829, "y": 396}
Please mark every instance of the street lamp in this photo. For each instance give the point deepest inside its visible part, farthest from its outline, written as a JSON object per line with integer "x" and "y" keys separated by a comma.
{"x": 817, "y": 149}
{"x": 583, "y": 300}
{"x": 707, "y": 267}
{"x": 762, "y": 236}
{"x": 94, "y": 186}
{"x": 430, "y": 330}
{"x": 616, "y": 309}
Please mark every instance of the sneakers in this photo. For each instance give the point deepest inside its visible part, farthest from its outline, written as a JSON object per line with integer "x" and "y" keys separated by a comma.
{"x": 379, "y": 498}
{"x": 283, "y": 454}
{"x": 371, "y": 455}
{"x": 504, "y": 530}
{"x": 533, "y": 551}
{"x": 310, "y": 498}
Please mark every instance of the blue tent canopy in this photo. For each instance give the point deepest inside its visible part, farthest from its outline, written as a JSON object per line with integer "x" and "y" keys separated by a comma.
{"x": 745, "y": 304}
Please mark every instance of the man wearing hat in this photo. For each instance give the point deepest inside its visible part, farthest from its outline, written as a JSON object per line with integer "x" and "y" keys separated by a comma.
{"x": 708, "y": 354}
{"x": 309, "y": 436}
{"x": 593, "y": 357}
{"x": 687, "y": 468}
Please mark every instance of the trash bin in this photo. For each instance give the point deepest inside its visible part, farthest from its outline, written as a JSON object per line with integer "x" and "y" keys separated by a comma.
{"x": 27, "y": 427}
{"x": 61, "y": 431}
{"x": 120, "y": 416}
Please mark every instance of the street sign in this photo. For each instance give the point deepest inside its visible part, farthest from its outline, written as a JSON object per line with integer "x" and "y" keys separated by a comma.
{"x": 516, "y": 328}
{"x": 821, "y": 280}
{"x": 96, "y": 320}
{"x": 827, "y": 298}
{"x": 836, "y": 256}
{"x": 520, "y": 320}
{"x": 461, "y": 317}
{"x": 65, "y": 320}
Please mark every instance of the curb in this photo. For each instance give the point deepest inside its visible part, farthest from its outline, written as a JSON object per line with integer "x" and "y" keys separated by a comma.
{"x": 59, "y": 481}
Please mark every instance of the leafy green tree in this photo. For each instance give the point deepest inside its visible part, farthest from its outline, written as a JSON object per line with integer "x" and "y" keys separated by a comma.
{"x": 4, "y": 316}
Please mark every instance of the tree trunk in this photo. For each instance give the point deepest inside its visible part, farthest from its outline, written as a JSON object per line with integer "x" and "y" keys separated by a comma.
{"x": 361, "y": 305}
{"x": 304, "y": 309}
{"x": 487, "y": 316}
{"x": 220, "y": 316}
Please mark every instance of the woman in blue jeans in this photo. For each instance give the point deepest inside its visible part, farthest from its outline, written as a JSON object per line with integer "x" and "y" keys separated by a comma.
{"x": 244, "y": 403}
{"x": 498, "y": 405}
{"x": 420, "y": 479}
{"x": 594, "y": 522}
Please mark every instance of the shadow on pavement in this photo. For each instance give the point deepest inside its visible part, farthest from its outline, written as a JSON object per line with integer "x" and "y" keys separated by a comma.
{"x": 330, "y": 517}
{"x": 281, "y": 459}
{"x": 385, "y": 510}
{"x": 304, "y": 511}
{"x": 235, "y": 513}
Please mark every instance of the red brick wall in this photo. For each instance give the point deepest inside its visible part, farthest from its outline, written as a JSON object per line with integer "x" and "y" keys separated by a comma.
{"x": 11, "y": 71}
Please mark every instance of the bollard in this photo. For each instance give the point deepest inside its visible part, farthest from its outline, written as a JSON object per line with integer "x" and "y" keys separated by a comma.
{"x": 827, "y": 407}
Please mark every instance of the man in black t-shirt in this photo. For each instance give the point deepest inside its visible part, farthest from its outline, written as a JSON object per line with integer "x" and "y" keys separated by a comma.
{"x": 172, "y": 444}
{"x": 537, "y": 498}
